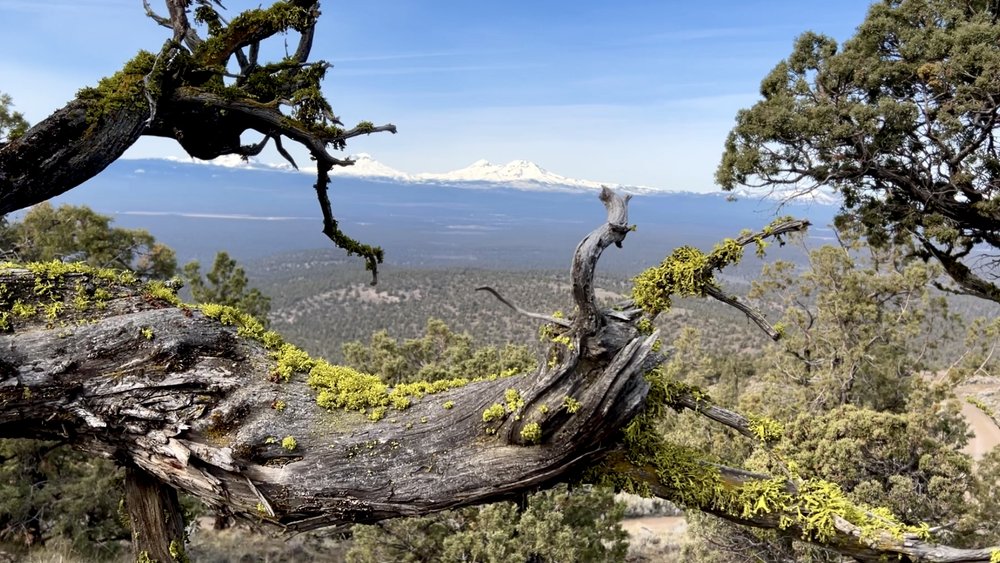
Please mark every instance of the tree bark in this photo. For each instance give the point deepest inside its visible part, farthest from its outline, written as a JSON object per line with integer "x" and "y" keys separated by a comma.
{"x": 155, "y": 517}
{"x": 63, "y": 151}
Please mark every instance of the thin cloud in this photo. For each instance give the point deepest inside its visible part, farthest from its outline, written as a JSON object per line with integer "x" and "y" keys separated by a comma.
{"x": 400, "y": 56}
{"x": 34, "y": 6}
{"x": 711, "y": 33}
{"x": 433, "y": 69}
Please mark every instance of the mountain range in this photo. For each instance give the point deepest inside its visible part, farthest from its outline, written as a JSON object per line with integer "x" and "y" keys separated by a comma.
{"x": 522, "y": 218}
{"x": 483, "y": 174}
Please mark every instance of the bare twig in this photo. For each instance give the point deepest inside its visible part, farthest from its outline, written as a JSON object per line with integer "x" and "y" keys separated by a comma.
{"x": 520, "y": 311}
{"x": 750, "y": 312}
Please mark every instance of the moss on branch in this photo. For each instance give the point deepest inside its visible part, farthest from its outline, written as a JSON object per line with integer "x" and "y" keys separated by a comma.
{"x": 250, "y": 26}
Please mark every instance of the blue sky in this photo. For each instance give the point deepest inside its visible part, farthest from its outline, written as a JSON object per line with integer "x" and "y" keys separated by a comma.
{"x": 633, "y": 92}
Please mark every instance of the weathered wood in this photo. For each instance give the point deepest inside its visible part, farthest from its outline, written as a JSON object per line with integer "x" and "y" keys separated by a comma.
{"x": 189, "y": 402}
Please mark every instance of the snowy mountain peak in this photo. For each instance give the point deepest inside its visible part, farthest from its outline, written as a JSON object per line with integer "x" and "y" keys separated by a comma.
{"x": 483, "y": 174}
{"x": 366, "y": 166}
{"x": 522, "y": 174}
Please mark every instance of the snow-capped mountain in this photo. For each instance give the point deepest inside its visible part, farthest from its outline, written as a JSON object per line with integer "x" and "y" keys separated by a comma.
{"x": 520, "y": 174}
{"x": 483, "y": 174}
{"x": 367, "y": 167}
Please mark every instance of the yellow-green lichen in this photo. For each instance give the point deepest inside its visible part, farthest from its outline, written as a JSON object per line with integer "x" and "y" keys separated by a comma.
{"x": 979, "y": 404}
{"x": 449, "y": 405}
{"x": 688, "y": 477}
{"x": 177, "y": 552}
{"x": 686, "y": 272}
{"x": 23, "y": 310}
{"x": 571, "y": 404}
{"x": 147, "y": 333}
{"x": 290, "y": 359}
{"x": 493, "y": 412}
{"x": 344, "y": 387}
{"x": 531, "y": 433}
{"x": 52, "y": 309}
{"x": 279, "y": 405}
{"x": 61, "y": 290}
{"x": 289, "y": 443}
{"x": 156, "y": 289}
{"x": 766, "y": 429}
{"x": 512, "y": 398}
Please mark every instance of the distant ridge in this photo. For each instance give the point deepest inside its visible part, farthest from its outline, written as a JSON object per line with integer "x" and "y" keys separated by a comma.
{"x": 483, "y": 174}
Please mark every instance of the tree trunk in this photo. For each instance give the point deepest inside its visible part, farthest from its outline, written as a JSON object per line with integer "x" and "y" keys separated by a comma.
{"x": 155, "y": 516}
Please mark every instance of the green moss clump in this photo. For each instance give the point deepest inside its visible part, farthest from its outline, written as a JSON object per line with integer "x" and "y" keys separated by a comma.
{"x": 289, "y": 443}
{"x": 124, "y": 89}
{"x": 251, "y": 24}
{"x": 279, "y": 405}
{"x": 449, "y": 405}
{"x": 147, "y": 333}
{"x": 531, "y": 433}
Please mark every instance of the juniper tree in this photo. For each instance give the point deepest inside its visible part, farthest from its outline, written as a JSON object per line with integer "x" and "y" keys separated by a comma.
{"x": 901, "y": 120}
{"x": 226, "y": 284}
